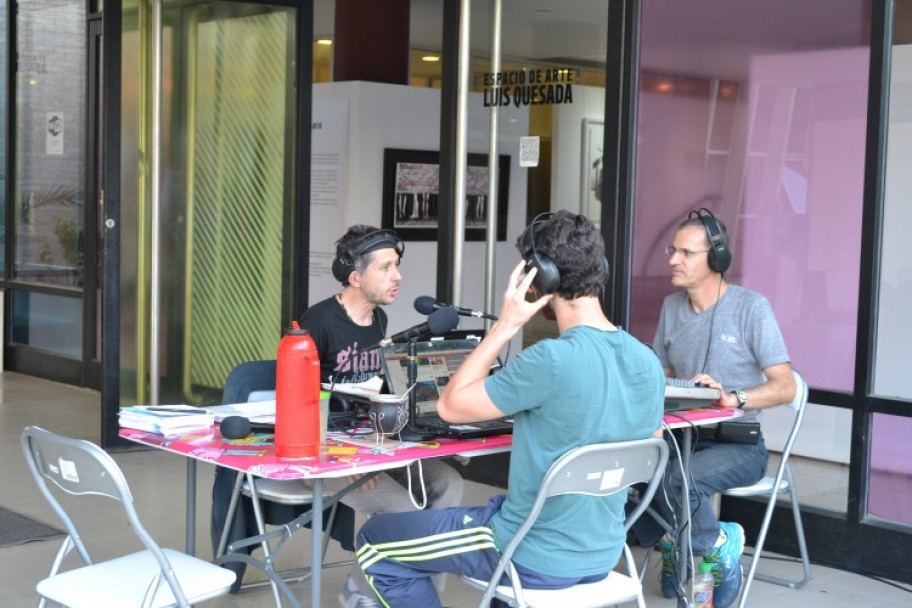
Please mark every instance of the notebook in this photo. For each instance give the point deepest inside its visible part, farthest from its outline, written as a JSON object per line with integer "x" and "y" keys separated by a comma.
{"x": 437, "y": 360}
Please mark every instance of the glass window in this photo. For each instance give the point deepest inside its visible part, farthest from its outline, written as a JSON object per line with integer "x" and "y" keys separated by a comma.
{"x": 760, "y": 116}
{"x": 227, "y": 157}
{"x": 894, "y": 323}
{"x": 3, "y": 115}
{"x": 890, "y": 482}
{"x": 765, "y": 126}
{"x": 50, "y": 147}
{"x": 49, "y": 322}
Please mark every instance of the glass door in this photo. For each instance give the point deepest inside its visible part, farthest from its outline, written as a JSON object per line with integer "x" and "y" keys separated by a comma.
{"x": 48, "y": 262}
{"x": 227, "y": 141}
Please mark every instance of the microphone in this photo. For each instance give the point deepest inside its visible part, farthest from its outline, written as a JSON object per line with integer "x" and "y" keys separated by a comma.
{"x": 239, "y": 427}
{"x": 426, "y": 305}
{"x": 438, "y": 322}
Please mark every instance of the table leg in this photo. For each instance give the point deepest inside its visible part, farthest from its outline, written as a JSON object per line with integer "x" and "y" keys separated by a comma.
{"x": 684, "y": 537}
{"x": 316, "y": 544}
{"x": 191, "y": 506}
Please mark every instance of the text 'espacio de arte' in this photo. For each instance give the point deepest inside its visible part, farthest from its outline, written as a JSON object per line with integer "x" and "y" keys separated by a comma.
{"x": 529, "y": 87}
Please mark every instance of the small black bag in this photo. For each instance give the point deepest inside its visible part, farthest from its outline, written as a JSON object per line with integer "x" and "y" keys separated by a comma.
{"x": 739, "y": 432}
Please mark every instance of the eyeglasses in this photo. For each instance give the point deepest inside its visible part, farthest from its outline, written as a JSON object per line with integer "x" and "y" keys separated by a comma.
{"x": 686, "y": 253}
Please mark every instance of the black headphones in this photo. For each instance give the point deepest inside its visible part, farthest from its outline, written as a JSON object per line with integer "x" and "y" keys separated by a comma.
{"x": 547, "y": 279}
{"x": 344, "y": 263}
{"x": 720, "y": 257}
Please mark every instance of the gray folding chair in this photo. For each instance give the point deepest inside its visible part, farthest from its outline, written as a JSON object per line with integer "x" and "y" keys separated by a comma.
{"x": 251, "y": 381}
{"x": 154, "y": 577}
{"x": 771, "y": 488}
{"x": 594, "y": 470}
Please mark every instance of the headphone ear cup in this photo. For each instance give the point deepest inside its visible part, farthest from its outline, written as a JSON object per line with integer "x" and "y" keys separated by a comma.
{"x": 720, "y": 258}
{"x": 341, "y": 270}
{"x": 547, "y": 279}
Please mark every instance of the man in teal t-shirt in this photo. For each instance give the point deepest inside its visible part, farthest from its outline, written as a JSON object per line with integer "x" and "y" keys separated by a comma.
{"x": 592, "y": 384}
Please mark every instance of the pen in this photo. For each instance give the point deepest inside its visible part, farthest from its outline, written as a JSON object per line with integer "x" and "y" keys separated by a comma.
{"x": 173, "y": 410}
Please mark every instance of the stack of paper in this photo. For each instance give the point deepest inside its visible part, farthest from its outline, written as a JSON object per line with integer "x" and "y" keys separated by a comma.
{"x": 166, "y": 420}
{"x": 255, "y": 411}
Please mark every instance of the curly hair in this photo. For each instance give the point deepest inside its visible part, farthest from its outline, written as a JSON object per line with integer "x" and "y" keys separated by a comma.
{"x": 575, "y": 246}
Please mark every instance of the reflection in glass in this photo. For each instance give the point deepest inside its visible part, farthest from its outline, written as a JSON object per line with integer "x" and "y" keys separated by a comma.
{"x": 3, "y": 116}
{"x": 769, "y": 134}
{"x": 890, "y": 479}
{"x": 50, "y": 164}
{"x": 227, "y": 149}
{"x": 48, "y": 322}
{"x": 766, "y": 127}
{"x": 891, "y": 376}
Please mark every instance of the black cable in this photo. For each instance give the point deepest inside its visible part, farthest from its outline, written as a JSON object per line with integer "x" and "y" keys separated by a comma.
{"x": 712, "y": 322}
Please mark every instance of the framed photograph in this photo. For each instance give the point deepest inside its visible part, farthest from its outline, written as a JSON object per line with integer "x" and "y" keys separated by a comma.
{"x": 592, "y": 166}
{"x": 411, "y": 186}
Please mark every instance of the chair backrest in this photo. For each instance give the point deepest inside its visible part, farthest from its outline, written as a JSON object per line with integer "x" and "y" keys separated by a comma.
{"x": 799, "y": 404}
{"x": 249, "y": 377}
{"x": 599, "y": 469}
{"x": 79, "y": 468}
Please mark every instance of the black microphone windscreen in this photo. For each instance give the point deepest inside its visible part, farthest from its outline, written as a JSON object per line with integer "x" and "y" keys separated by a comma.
{"x": 443, "y": 320}
{"x": 235, "y": 427}
{"x": 425, "y": 304}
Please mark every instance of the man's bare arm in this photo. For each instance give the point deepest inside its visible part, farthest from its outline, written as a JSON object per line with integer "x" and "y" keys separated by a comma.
{"x": 465, "y": 398}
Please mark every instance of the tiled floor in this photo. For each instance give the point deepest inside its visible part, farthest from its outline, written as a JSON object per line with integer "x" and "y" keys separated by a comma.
{"x": 157, "y": 481}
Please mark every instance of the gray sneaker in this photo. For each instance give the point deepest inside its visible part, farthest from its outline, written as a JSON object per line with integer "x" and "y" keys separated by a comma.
{"x": 351, "y": 596}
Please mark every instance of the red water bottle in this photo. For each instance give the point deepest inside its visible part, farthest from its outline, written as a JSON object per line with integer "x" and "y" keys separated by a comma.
{"x": 297, "y": 395}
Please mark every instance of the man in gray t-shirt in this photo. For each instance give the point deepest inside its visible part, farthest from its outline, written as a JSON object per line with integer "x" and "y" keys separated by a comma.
{"x": 726, "y": 337}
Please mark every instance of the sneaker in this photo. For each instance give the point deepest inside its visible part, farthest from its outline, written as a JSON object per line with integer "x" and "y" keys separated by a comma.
{"x": 669, "y": 578}
{"x": 726, "y": 560}
{"x": 351, "y": 597}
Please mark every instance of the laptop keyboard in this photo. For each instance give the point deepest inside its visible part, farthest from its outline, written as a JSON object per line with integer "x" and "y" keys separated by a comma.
{"x": 436, "y": 423}
{"x": 683, "y": 383}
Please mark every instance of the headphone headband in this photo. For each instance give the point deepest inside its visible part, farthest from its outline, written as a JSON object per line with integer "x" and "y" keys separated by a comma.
{"x": 719, "y": 255}
{"x": 382, "y": 238}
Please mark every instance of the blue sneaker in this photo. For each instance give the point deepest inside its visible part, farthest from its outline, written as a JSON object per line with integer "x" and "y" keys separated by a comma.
{"x": 669, "y": 578}
{"x": 726, "y": 560}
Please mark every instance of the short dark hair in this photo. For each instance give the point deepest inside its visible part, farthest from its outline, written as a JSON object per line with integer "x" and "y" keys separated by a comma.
{"x": 575, "y": 246}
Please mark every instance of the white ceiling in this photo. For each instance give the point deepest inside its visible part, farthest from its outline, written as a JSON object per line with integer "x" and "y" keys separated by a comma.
{"x": 687, "y": 37}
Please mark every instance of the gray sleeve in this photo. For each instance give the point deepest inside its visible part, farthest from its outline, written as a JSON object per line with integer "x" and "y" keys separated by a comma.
{"x": 658, "y": 342}
{"x": 767, "y": 342}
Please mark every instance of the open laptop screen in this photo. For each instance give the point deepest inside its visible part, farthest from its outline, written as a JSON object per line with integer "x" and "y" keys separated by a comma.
{"x": 437, "y": 360}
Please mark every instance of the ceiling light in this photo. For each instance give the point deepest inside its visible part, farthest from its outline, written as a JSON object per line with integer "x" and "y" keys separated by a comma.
{"x": 325, "y": 41}
{"x": 430, "y": 58}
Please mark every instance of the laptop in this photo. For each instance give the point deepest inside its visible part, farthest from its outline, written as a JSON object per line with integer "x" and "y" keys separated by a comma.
{"x": 437, "y": 360}
{"x": 683, "y": 394}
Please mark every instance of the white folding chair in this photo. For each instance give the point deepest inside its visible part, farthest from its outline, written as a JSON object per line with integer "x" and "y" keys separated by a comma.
{"x": 154, "y": 577}
{"x": 595, "y": 470}
{"x": 771, "y": 488}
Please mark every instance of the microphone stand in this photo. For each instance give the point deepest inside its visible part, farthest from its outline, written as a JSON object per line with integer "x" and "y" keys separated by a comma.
{"x": 411, "y": 432}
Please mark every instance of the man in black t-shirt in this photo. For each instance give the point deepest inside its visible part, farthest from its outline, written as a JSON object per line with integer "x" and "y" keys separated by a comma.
{"x": 343, "y": 326}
